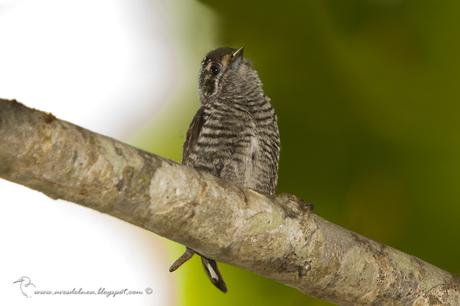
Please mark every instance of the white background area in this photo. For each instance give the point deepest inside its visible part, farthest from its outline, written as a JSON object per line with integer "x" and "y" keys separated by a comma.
{"x": 106, "y": 65}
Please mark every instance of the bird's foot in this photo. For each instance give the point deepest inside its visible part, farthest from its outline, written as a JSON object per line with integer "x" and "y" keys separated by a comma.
{"x": 293, "y": 205}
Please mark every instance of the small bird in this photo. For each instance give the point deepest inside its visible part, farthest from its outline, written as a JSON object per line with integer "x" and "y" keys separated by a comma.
{"x": 234, "y": 134}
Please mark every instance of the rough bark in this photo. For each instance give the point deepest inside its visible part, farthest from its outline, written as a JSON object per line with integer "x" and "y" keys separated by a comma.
{"x": 278, "y": 238}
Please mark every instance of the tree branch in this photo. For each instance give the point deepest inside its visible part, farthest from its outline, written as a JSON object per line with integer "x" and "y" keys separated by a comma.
{"x": 278, "y": 238}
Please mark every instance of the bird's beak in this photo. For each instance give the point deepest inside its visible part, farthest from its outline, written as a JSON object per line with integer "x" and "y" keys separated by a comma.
{"x": 238, "y": 53}
{"x": 19, "y": 280}
{"x": 237, "y": 58}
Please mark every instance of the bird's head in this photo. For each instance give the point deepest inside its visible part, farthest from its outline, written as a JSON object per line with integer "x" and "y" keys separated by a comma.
{"x": 222, "y": 71}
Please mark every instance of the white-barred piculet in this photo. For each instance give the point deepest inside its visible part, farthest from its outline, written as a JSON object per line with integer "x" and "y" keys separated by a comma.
{"x": 234, "y": 134}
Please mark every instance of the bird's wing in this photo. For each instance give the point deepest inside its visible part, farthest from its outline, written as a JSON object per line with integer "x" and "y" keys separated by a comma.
{"x": 192, "y": 134}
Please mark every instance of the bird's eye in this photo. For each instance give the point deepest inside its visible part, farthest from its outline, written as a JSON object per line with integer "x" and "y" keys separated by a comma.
{"x": 215, "y": 69}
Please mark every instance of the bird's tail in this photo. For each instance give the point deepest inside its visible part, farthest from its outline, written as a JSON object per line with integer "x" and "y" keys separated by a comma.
{"x": 210, "y": 267}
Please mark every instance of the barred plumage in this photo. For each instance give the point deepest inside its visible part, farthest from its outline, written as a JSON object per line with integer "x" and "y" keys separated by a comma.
{"x": 234, "y": 135}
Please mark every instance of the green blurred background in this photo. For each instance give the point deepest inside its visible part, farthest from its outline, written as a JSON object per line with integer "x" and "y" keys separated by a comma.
{"x": 367, "y": 96}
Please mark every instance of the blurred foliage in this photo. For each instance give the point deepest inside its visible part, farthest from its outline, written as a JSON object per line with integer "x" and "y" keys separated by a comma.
{"x": 367, "y": 95}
